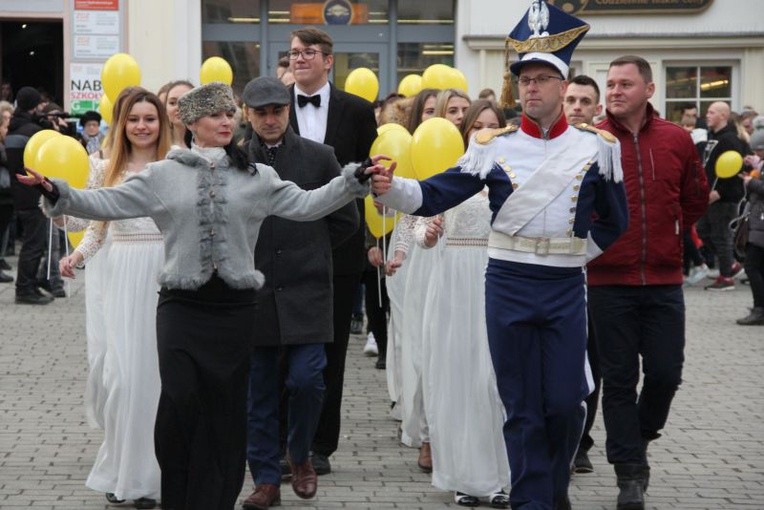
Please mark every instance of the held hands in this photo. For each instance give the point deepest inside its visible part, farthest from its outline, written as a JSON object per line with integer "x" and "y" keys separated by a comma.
{"x": 370, "y": 167}
{"x": 375, "y": 256}
{"x": 382, "y": 181}
{"x": 34, "y": 179}
{"x": 67, "y": 264}
{"x": 434, "y": 232}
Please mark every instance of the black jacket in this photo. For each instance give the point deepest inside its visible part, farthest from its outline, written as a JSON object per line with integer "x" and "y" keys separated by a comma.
{"x": 726, "y": 139}
{"x": 23, "y": 125}
{"x": 755, "y": 190}
{"x": 350, "y": 130}
{"x": 295, "y": 304}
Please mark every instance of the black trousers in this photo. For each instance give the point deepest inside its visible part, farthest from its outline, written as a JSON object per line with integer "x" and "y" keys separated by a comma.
{"x": 632, "y": 322}
{"x": 376, "y": 313}
{"x": 754, "y": 268}
{"x": 327, "y": 434}
{"x": 714, "y": 229}
{"x": 592, "y": 401}
{"x": 34, "y": 240}
{"x": 204, "y": 344}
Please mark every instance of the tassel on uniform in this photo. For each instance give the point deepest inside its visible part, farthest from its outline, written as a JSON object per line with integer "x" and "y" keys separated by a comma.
{"x": 507, "y": 99}
{"x": 609, "y": 159}
{"x": 478, "y": 160}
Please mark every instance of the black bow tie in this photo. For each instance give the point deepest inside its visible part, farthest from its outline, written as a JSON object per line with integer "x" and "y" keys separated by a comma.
{"x": 303, "y": 100}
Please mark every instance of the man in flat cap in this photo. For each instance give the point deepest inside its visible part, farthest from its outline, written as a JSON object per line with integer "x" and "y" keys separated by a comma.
{"x": 558, "y": 201}
{"x": 295, "y": 306}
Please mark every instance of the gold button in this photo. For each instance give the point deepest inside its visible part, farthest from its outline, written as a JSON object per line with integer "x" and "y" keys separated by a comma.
{"x": 501, "y": 160}
{"x": 576, "y": 187}
{"x": 571, "y": 221}
{"x": 574, "y": 198}
{"x": 512, "y": 175}
{"x": 580, "y": 176}
{"x": 572, "y": 210}
{"x": 515, "y": 185}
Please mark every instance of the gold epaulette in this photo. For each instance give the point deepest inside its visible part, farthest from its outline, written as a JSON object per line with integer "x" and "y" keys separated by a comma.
{"x": 606, "y": 135}
{"x": 485, "y": 136}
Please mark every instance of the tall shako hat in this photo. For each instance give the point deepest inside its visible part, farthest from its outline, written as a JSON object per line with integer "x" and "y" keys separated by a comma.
{"x": 546, "y": 35}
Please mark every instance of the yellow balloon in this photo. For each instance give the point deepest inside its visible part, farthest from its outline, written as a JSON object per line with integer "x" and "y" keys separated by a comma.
{"x": 395, "y": 143}
{"x": 119, "y": 72}
{"x": 32, "y": 148}
{"x": 379, "y": 225}
{"x": 437, "y": 76}
{"x": 459, "y": 80}
{"x": 106, "y": 109}
{"x": 384, "y": 128}
{"x": 410, "y": 85}
{"x": 729, "y": 164}
{"x": 435, "y": 146}
{"x": 63, "y": 157}
{"x": 216, "y": 69}
{"x": 363, "y": 82}
{"x": 75, "y": 237}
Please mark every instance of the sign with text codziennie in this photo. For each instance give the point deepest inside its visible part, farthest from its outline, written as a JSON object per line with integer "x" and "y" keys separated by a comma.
{"x": 584, "y": 7}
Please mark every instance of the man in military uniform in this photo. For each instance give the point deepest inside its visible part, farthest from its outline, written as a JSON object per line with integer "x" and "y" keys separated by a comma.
{"x": 557, "y": 201}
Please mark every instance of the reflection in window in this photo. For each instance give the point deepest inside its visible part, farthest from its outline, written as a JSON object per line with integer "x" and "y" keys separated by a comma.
{"x": 320, "y": 12}
{"x": 430, "y": 12}
{"x": 231, "y": 11}
{"x": 696, "y": 85}
{"x": 346, "y": 62}
{"x": 244, "y": 58}
{"x": 414, "y": 58}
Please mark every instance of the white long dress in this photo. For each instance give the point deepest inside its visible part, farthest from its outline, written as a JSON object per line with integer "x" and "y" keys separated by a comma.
{"x": 93, "y": 248}
{"x": 421, "y": 266}
{"x": 126, "y": 464}
{"x": 400, "y": 241}
{"x": 464, "y": 412}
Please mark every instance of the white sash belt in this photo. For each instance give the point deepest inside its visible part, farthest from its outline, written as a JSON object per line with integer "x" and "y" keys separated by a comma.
{"x": 538, "y": 245}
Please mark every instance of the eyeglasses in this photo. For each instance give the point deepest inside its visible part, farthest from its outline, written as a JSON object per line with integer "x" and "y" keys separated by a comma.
{"x": 540, "y": 80}
{"x": 308, "y": 54}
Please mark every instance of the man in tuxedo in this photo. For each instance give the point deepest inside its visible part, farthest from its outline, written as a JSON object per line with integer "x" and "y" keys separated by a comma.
{"x": 322, "y": 113}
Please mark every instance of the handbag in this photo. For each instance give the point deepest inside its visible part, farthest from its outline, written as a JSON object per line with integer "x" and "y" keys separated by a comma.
{"x": 741, "y": 235}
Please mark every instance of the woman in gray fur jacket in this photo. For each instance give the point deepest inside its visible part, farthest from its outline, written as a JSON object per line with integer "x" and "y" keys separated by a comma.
{"x": 209, "y": 205}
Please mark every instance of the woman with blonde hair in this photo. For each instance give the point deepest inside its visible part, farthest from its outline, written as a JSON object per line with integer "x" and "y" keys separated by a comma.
{"x": 178, "y": 130}
{"x": 126, "y": 465}
{"x": 451, "y": 104}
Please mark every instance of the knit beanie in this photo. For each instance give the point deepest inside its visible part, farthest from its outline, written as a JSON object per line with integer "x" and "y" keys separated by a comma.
{"x": 27, "y": 99}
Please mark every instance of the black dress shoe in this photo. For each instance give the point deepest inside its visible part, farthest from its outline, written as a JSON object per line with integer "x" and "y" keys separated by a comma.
{"x": 381, "y": 363}
{"x": 32, "y": 299}
{"x": 111, "y": 498}
{"x": 145, "y": 503}
{"x": 4, "y": 266}
{"x": 321, "y": 464}
{"x": 581, "y": 462}
{"x": 5, "y": 278}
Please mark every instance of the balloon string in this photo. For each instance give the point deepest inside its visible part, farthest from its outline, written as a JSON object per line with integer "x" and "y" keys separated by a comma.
{"x": 67, "y": 283}
{"x": 379, "y": 282}
{"x": 714, "y": 186}
{"x": 50, "y": 244}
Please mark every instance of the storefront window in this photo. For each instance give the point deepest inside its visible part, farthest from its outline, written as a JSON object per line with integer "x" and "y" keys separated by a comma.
{"x": 414, "y": 58}
{"x": 243, "y": 56}
{"x": 698, "y": 85}
{"x": 430, "y": 12}
{"x": 231, "y": 11}
{"x": 328, "y": 13}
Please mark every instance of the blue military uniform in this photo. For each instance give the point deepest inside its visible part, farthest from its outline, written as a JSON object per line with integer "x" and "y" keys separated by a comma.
{"x": 557, "y": 201}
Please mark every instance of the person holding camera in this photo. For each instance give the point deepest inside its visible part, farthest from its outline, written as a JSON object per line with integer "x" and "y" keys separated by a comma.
{"x": 25, "y": 122}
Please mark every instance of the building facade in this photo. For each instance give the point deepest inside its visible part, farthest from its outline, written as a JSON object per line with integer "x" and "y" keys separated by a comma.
{"x": 701, "y": 50}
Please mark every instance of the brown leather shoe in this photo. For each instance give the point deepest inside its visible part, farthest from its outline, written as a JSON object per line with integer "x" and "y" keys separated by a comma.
{"x": 304, "y": 479}
{"x": 425, "y": 458}
{"x": 264, "y": 497}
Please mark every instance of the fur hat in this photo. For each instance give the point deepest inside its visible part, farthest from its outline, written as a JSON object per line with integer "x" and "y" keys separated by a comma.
{"x": 206, "y": 100}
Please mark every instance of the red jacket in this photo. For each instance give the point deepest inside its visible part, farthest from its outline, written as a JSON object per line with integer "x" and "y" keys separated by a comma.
{"x": 667, "y": 192}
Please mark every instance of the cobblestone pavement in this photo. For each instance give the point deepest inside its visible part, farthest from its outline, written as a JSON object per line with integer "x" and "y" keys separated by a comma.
{"x": 711, "y": 455}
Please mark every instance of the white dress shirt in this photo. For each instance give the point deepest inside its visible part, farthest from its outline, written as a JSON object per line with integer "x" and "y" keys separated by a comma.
{"x": 310, "y": 119}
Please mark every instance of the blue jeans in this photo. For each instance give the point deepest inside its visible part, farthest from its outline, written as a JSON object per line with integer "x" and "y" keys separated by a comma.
{"x": 629, "y": 322}
{"x": 305, "y": 386}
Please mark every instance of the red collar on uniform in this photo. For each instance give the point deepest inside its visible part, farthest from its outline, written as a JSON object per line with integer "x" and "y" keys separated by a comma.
{"x": 530, "y": 127}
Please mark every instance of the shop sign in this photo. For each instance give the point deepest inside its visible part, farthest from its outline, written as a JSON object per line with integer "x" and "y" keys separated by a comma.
{"x": 96, "y": 5}
{"x": 85, "y": 90}
{"x": 589, "y": 7}
{"x": 338, "y": 12}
